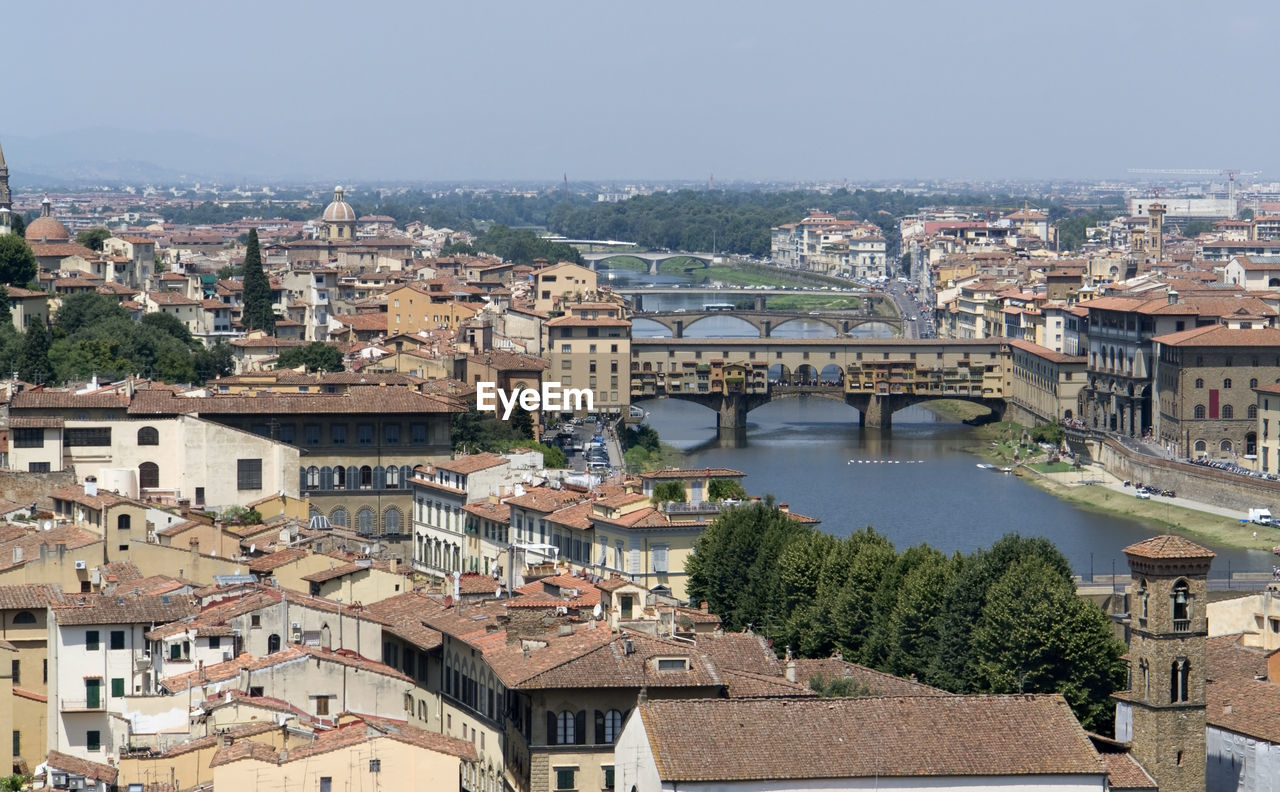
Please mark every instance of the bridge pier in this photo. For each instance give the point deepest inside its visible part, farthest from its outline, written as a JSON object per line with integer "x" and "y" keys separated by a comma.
{"x": 880, "y": 410}
{"x": 844, "y": 327}
{"x": 653, "y": 267}
{"x": 637, "y": 303}
{"x": 766, "y": 329}
{"x": 678, "y": 330}
{"x": 759, "y": 301}
{"x": 731, "y": 414}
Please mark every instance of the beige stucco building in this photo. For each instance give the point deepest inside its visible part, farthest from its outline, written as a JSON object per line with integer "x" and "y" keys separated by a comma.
{"x": 590, "y": 347}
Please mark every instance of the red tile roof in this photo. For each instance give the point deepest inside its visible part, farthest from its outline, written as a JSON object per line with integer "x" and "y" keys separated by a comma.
{"x": 1168, "y": 546}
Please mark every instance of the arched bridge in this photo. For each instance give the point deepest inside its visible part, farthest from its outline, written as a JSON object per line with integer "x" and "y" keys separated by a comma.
{"x": 654, "y": 257}
{"x": 765, "y": 322}
{"x": 877, "y": 377}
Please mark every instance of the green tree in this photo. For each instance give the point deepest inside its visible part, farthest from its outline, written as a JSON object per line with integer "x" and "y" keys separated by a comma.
{"x": 17, "y": 262}
{"x": 1049, "y": 433}
{"x": 838, "y": 687}
{"x": 17, "y": 224}
{"x": 212, "y": 362}
{"x": 93, "y": 238}
{"x": 169, "y": 325}
{"x": 257, "y": 289}
{"x": 1246, "y": 214}
{"x": 553, "y": 458}
{"x": 86, "y": 309}
{"x": 725, "y": 489}
{"x": 1195, "y": 228}
{"x": 915, "y": 622}
{"x": 1037, "y": 635}
{"x": 34, "y": 366}
{"x": 13, "y": 783}
{"x": 669, "y": 492}
{"x": 316, "y": 356}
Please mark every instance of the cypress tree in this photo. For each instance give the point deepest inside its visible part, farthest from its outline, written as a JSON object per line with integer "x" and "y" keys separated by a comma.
{"x": 257, "y": 289}
{"x": 34, "y": 366}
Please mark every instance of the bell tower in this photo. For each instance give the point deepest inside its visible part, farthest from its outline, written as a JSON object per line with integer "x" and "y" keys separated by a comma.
{"x": 1155, "y": 231}
{"x": 6, "y": 199}
{"x": 1168, "y": 627}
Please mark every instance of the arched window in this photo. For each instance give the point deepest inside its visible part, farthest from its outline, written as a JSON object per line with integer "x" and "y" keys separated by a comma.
{"x": 393, "y": 477}
{"x": 1225, "y": 445}
{"x": 313, "y": 477}
{"x": 1181, "y": 603}
{"x": 124, "y": 522}
{"x": 364, "y": 521}
{"x": 1252, "y": 412}
{"x": 366, "y": 477}
{"x": 147, "y": 435}
{"x": 1253, "y": 382}
{"x": 339, "y": 517}
{"x": 391, "y": 521}
{"x": 1199, "y": 382}
{"x": 608, "y": 726}
{"x": 1199, "y": 412}
{"x": 1143, "y": 597}
{"x": 24, "y": 617}
{"x": 1226, "y": 384}
{"x": 1201, "y": 447}
{"x": 339, "y": 477}
{"x": 1179, "y": 679}
{"x": 565, "y": 732}
{"x": 148, "y": 475}
{"x": 1228, "y": 412}
{"x": 273, "y": 643}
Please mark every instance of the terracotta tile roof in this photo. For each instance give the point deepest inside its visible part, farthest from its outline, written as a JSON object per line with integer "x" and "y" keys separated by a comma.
{"x": 30, "y": 541}
{"x": 279, "y": 558}
{"x": 30, "y": 595}
{"x": 75, "y": 493}
{"x": 113, "y": 609}
{"x": 346, "y": 736}
{"x": 67, "y": 400}
{"x": 557, "y": 590}
{"x": 217, "y": 615}
{"x": 891, "y": 737}
{"x": 510, "y": 361}
{"x": 576, "y": 321}
{"x": 121, "y": 571}
{"x": 1222, "y": 336}
{"x": 545, "y": 499}
{"x": 35, "y": 422}
{"x": 1168, "y": 546}
{"x": 598, "y": 658}
{"x": 1124, "y": 772}
{"x": 402, "y": 615}
{"x": 470, "y": 463}
{"x": 576, "y": 516}
{"x": 357, "y": 399}
{"x": 498, "y": 512}
{"x": 686, "y": 473}
{"x": 364, "y": 322}
{"x": 1235, "y": 699}
{"x": 746, "y": 684}
{"x": 334, "y": 572}
{"x": 90, "y": 770}
{"x": 877, "y": 683}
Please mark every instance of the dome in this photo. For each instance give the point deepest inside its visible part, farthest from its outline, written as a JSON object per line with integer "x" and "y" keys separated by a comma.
{"x": 46, "y": 228}
{"x": 339, "y": 211}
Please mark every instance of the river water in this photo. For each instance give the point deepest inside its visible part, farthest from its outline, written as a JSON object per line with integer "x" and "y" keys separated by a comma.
{"x": 913, "y": 483}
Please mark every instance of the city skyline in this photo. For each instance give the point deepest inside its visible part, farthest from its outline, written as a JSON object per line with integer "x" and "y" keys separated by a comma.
{"x": 748, "y": 92}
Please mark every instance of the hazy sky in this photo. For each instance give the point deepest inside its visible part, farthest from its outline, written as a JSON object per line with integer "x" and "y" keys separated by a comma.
{"x": 647, "y": 89}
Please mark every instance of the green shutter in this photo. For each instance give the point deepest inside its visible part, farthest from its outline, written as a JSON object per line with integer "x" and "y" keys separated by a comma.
{"x": 117, "y": 687}
{"x": 93, "y": 693}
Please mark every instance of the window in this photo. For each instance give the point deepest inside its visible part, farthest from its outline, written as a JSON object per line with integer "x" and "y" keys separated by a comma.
{"x": 393, "y": 477}
{"x": 124, "y": 522}
{"x": 608, "y": 726}
{"x": 287, "y": 433}
{"x": 93, "y": 740}
{"x": 312, "y": 433}
{"x": 1179, "y": 679}
{"x": 215, "y": 642}
{"x": 255, "y": 620}
{"x": 117, "y": 639}
{"x": 256, "y": 691}
{"x": 92, "y": 437}
{"x": 608, "y": 775}
{"x": 366, "y": 477}
{"x": 1228, "y": 411}
{"x": 24, "y": 617}
{"x": 37, "y": 467}
{"x": 28, "y": 438}
{"x": 16, "y": 672}
{"x": 391, "y": 521}
{"x": 1199, "y": 412}
{"x": 391, "y": 432}
{"x": 565, "y": 777}
{"x": 1199, "y": 382}
{"x": 148, "y": 475}
{"x": 364, "y": 521}
{"x": 565, "y": 731}
{"x": 339, "y": 477}
{"x": 199, "y": 496}
{"x": 313, "y": 477}
{"x": 248, "y": 474}
{"x": 1252, "y": 412}
{"x": 1226, "y": 384}
{"x": 660, "y": 558}
{"x": 147, "y": 435}
{"x": 673, "y": 664}
{"x": 175, "y": 651}
{"x": 117, "y": 687}
{"x": 1181, "y": 606}
{"x": 339, "y": 517}
{"x": 326, "y": 784}
{"x": 418, "y": 433}
{"x": 338, "y": 434}
{"x": 91, "y": 640}
{"x": 17, "y": 743}
{"x": 273, "y": 643}
{"x": 322, "y": 705}
{"x": 364, "y": 434}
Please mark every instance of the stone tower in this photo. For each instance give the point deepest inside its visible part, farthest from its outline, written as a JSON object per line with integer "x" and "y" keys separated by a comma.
{"x": 1167, "y": 633}
{"x": 6, "y": 200}
{"x": 1155, "y": 231}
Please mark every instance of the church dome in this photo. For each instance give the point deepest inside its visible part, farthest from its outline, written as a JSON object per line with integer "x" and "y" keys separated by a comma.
{"x": 339, "y": 211}
{"x": 46, "y": 227}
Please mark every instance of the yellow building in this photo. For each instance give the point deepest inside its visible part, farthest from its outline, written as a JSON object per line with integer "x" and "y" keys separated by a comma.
{"x": 556, "y": 286}
{"x": 430, "y": 305}
{"x": 362, "y": 754}
{"x": 590, "y": 347}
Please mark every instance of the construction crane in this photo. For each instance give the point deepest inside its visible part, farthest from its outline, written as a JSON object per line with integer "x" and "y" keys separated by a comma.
{"x": 1230, "y": 173}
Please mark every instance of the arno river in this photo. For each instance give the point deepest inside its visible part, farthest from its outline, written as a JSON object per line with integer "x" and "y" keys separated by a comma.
{"x": 920, "y": 485}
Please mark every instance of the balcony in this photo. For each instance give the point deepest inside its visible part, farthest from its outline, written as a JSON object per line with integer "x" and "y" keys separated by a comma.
{"x": 82, "y": 705}
{"x": 1182, "y": 625}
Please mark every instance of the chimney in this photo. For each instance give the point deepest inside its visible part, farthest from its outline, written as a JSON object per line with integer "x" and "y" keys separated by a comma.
{"x": 785, "y": 508}
{"x": 394, "y": 565}
{"x": 91, "y": 486}
{"x": 1173, "y": 297}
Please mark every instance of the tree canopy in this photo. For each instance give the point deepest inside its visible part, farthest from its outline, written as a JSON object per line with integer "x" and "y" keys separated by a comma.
{"x": 522, "y": 246}
{"x": 17, "y": 262}
{"x": 93, "y": 238}
{"x": 257, "y": 313}
{"x": 669, "y": 492}
{"x": 316, "y": 356}
{"x": 1005, "y": 619}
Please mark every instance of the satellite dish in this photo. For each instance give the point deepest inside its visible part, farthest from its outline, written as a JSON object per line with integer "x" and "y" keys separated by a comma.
{"x": 597, "y": 611}
{"x": 497, "y": 592}
{"x": 253, "y": 548}
{"x": 48, "y": 525}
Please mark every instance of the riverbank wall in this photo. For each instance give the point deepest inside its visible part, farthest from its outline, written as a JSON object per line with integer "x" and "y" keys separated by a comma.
{"x": 1230, "y": 490}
